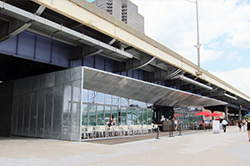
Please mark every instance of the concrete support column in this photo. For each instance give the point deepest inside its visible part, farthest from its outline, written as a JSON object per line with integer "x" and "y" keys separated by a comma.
{"x": 226, "y": 112}
{"x": 240, "y": 117}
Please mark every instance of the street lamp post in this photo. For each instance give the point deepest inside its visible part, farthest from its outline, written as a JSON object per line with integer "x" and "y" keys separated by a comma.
{"x": 198, "y": 73}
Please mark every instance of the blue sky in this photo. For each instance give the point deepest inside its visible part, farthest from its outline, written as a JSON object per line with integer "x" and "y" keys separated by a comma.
{"x": 224, "y": 34}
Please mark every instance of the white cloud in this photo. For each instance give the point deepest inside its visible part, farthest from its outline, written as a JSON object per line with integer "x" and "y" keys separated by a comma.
{"x": 238, "y": 78}
{"x": 232, "y": 55}
{"x": 210, "y": 55}
{"x": 173, "y": 23}
{"x": 241, "y": 36}
{"x": 214, "y": 45}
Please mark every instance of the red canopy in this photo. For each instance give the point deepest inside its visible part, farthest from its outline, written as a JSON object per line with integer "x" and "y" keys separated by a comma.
{"x": 203, "y": 113}
{"x": 215, "y": 114}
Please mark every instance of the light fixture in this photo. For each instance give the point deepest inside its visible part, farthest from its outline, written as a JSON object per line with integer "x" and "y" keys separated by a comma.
{"x": 182, "y": 77}
{"x": 232, "y": 97}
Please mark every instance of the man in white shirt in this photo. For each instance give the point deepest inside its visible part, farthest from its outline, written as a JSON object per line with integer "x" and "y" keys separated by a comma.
{"x": 224, "y": 124}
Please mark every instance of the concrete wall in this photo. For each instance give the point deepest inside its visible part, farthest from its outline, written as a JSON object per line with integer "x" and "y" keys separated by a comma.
{"x": 6, "y": 90}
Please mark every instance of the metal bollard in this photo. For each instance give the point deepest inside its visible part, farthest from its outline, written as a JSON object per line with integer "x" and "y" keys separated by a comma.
{"x": 171, "y": 132}
{"x": 157, "y": 133}
{"x": 180, "y": 130}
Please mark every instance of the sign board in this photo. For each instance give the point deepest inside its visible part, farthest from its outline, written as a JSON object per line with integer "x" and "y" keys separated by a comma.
{"x": 216, "y": 126}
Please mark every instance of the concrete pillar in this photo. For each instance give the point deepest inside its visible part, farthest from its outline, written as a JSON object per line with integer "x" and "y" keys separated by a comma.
{"x": 240, "y": 117}
{"x": 226, "y": 112}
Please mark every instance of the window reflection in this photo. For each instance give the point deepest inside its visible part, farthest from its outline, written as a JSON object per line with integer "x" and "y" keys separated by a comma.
{"x": 129, "y": 116}
{"x": 92, "y": 96}
{"x": 84, "y": 115}
{"x": 123, "y": 116}
{"x": 100, "y": 119}
{"x": 100, "y": 98}
{"x": 115, "y": 113}
{"x": 149, "y": 116}
{"x": 107, "y": 113}
{"x": 115, "y": 100}
{"x": 85, "y": 95}
{"x": 92, "y": 115}
{"x": 97, "y": 108}
{"x": 108, "y": 99}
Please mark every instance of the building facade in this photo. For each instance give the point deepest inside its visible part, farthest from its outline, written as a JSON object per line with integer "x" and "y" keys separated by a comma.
{"x": 124, "y": 10}
{"x": 59, "y": 105}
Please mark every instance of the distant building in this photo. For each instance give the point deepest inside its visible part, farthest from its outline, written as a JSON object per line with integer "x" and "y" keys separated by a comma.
{"x": 124, "y": 10}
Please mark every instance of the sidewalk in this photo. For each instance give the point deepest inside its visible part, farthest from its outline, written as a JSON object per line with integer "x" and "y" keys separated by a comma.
{"x": 203, "y": 148}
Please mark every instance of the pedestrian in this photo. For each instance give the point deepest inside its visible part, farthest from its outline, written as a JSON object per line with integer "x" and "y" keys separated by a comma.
{"x": 248, "y": 128}
{"x": 244, "y": 125}
{"x": 239, "y": 124}
{"x": 224, "y": 124}
{"x": 176, "y": 124}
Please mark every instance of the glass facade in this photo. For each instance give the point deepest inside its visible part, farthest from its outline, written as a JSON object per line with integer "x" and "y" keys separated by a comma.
{"x": 48, "y": 106}
{"x": 56, "y": 106}
{"x": 99, "y": 107}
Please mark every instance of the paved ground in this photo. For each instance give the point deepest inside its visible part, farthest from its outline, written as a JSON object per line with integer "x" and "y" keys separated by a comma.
{"x": 203, "y": 148}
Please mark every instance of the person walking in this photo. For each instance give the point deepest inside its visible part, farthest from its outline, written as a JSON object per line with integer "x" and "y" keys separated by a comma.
{"x": 244, "y": 125}
{"x": 248, "y": 128}
{"x": 239, "y": 125}
{"x": 224, "y": 124}
{"x": 176, "y": 123}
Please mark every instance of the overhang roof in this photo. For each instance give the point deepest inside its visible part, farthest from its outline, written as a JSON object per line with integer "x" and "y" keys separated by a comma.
{"x": 118, "y": 85}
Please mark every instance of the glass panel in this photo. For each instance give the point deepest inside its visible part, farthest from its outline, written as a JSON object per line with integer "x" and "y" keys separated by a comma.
{"x": 74, "y": 117}
{"x": 107, "y": 113}
{"x": 140, "y": 121}
{"x": 144, "y": 115}
{"x": 149, "y": 116}
{"x": 108, "y": 99}
{"x": 133, "y": 102}
{"x": 100, "y": 110}
{"x": 48, "y": 113}
{"x": 85, "y": 95}
{"x": 124, "y": 102}
{"x": 41, "y": 111}
{"x": 115, "y": 114}
{"x": 100, "y": 98}
{"x": 76, "y": 93}
{"x": 92, "y": 115}
{"x": 135, "y": 120}
{"x": 115, "y": 100}
{"x": 129, "y": 116}
{"x": 123, "y": 116}
{"x": 57, "y": 113}
{"x": 66, "y": 112}
{"x": 92, "y": 96}
{"x": 26, "y": 116}
{"x": 84, "y": 114}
